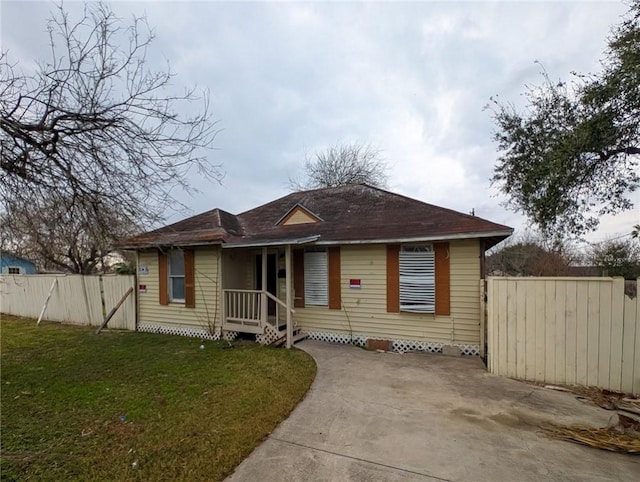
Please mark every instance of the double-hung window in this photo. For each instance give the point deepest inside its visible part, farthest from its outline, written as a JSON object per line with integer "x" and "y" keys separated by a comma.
{"x": 316, "y": 286}
{"x": 417, "y": 279}
{"x": 176, "y": 276}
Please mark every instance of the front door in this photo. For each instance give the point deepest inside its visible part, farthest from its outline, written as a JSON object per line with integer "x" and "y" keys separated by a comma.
{"x": 272, "y": 278}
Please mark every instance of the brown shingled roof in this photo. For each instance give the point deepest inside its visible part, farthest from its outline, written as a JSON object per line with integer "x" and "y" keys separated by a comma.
{"x": 352, "y": 213}
{"x": 211, "y": 227}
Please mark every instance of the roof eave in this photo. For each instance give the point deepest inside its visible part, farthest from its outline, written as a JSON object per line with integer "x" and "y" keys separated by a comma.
{"x": 186, "y": 244}
{"x": 266, "y": 243}
{"x": 315, "y": 239}
{"x": 417, "y": 239}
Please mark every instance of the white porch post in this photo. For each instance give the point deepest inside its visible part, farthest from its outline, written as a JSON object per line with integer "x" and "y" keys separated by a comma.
{"x": 289, "y": 295}
{"x": 263, "y": 297}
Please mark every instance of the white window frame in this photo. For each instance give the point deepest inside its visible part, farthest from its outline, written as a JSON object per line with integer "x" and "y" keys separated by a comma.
{"x": 10, "y": 268}
{"x": 316, "y": 277}
{"x": 417, "y": 279}
{"x": 173, "y": 276}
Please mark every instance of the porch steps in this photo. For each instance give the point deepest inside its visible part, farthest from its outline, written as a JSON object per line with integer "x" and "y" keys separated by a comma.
{"x": 298, "y": 335}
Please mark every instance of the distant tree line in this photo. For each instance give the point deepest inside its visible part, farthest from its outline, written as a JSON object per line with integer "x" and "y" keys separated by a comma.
{"x": 530, "y": 254}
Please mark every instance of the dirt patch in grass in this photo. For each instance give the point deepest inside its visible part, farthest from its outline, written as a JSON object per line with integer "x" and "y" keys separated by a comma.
{"x": 137, "y": 406}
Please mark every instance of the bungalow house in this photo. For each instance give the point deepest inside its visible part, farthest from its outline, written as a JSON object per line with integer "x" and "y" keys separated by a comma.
{"x": 344, "y": 264}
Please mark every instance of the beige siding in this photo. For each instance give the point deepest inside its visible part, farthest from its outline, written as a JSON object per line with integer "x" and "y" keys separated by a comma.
{"x": 364, "y": 310}
{"x": 205, "y": 315}
{"x": 583, "y": 331}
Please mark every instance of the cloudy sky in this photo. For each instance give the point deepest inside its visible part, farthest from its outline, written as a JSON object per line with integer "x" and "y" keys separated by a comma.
{"x": 411, "y": 78}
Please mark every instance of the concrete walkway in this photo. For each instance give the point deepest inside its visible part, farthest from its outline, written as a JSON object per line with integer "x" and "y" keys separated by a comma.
{"x": 373, "y": 416}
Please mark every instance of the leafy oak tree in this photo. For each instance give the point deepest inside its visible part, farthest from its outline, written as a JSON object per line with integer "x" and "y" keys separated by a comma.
{"x": 94, "y": 129}
{"x": 617, "y": 257}
{"x": 572, "y": 155}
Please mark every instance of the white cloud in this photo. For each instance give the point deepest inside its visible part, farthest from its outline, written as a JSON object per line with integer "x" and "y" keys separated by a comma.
{"x": 411, "y": 78}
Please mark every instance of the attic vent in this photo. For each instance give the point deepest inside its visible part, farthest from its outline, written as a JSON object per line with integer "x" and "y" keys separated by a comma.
{"x": 298, "y": 215}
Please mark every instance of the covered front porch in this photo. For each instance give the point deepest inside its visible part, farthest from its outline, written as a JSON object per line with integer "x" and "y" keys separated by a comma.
{"x": 258, "y": 291}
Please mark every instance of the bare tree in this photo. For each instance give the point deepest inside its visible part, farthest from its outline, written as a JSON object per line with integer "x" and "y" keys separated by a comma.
{"x": 531, "y": 254}
{"x": 343, "y": 164}
{"x": 617, "y": 257}
{"x": 95, "y": 128}
{"x": 64, "y": 236}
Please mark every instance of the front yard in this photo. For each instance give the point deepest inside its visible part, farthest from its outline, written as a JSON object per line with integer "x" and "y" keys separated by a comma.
{"x": 137, "y": 406}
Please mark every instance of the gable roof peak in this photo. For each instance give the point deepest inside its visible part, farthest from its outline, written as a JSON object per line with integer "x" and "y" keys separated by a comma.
{"x": 308, "y": 216}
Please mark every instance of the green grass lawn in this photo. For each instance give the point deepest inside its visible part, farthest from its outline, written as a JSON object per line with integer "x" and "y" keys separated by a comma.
{"x": 137, "y": 406}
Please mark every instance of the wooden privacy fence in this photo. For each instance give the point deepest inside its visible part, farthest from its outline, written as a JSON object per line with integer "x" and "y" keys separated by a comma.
{"x": 582, "y": 331}
{"x": 76, "y": 299}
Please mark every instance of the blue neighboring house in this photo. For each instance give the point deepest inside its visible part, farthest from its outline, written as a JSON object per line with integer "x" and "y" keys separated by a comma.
{"x": 12, "y": 264}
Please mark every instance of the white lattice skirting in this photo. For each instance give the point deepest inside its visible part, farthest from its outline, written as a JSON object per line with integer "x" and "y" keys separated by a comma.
{"x": 185, "y": 331}
{"x": 269, "y": 336}
{"x": 400, "y": 346}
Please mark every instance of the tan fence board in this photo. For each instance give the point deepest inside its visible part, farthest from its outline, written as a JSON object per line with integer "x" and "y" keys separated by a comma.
{"x": 540, "y": 360}
{"x": 564, "y": 330}
{"x": 571, "y": 335}
{"x": 617, "y": 323}
{"x": 560, "y": 337}
{"x": 582, "y": 332}
{"x": 114, "y": 289}
{"x": 593, "y": 333}
{"x": 76, "y": 299}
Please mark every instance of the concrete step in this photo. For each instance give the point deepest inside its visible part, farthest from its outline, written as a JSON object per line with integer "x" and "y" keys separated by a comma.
{"x": 298, "y": 335}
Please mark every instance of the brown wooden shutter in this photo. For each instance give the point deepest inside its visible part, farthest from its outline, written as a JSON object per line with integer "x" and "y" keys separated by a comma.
{"x": 443, "y": 279}
{"x": 298, "y": 278}
{"x": 393, "y": 278}
{"x": 335, "y": 298}
{"x": 163, "y": 278}
{"x": 189, "y": 279}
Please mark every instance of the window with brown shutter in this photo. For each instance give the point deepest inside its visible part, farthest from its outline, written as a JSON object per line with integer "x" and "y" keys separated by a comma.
{"x": 176, "y": 277}
{"x": 316, "y": 284}
{"x": 298, "y": 278}
{"x": 443, "y": 279}
{"x": 419, "y": 279}
{"x": 189, "y": 279}
{"x": 393, "y": 278}
{"x": 163, "y": 278}
{"x": 335, "y": 296}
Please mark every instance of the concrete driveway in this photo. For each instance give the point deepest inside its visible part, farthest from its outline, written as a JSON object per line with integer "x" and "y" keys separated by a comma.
{"x": 373, "y": 416}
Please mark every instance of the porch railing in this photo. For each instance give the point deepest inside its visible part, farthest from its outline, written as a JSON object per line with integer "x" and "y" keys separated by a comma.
{"x": 246, "y": 311}
{"x": 243, "y": 310}
{"x": 280, "y": 307}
